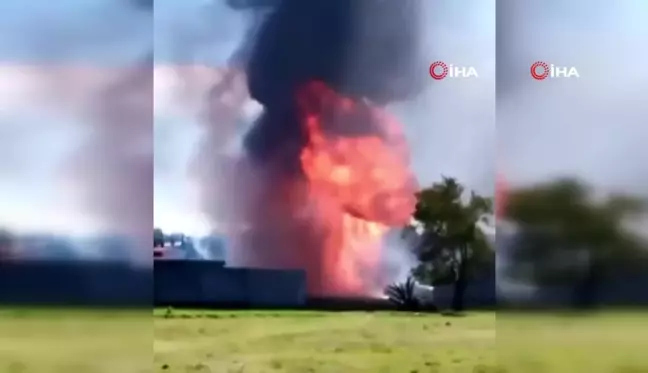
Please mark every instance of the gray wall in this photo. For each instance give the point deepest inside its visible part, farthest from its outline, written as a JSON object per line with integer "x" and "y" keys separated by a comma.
{"x": 194, "y": 283}
{"x": 209, "y": 283}
{"x": 481, "y": 292}
{"x": 75, "y": 283}
{"x": 201, "y": 283}
{"x": 628, "y": 288}
{"x": 624, "y": 289}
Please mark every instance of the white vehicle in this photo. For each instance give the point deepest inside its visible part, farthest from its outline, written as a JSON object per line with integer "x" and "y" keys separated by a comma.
{"x": 424, "y": 293}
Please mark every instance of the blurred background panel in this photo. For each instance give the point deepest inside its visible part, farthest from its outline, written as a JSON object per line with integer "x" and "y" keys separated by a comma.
{"x": 76, "y": 171}
{"x": 574, "y": 183}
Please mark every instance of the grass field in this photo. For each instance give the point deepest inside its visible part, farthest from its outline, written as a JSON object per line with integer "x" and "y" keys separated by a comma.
{"x": 303, "y": 342}
{"x": 75, "y": 341}
{"x": 47, "y": 341}
{"x": 603, "y": 342}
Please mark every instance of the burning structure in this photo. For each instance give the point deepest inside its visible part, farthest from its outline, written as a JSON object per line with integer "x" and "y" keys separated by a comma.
{"x": 325, "y": 172}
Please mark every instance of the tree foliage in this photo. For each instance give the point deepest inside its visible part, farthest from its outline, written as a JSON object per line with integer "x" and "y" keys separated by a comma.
{"x": 451, "y": 246}
{"x": 566, "y": 230}
{"x": 403, "y": 295}
{"x": 158, "y": 237}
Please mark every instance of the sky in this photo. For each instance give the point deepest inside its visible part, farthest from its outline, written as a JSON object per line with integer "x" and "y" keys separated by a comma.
{"x": 41, "y": 123}
{"x": 592, "y": 127}
{"x": 450, "y": 126}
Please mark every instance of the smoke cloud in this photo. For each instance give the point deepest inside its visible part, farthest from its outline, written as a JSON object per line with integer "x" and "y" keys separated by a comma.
{"x": 591, "y": 127}
{"x": 81, "y": 126}
{"x": 450, "y": 124}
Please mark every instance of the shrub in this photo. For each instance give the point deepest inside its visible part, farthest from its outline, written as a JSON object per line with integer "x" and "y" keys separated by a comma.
{"x": 403, "y": 295}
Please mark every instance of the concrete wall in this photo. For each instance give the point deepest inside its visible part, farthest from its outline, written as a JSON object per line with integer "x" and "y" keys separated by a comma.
{"x": 481, "y": 292}
{"x": 75, "y": 283}
{"x": 628, "y": 288}
{"x": 209, "y": 283}
{"x": 194, "y": 283}
{"x": 205, "y": 283}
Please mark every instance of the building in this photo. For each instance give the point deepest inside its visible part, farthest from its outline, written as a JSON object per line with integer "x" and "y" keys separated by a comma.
{"x": 181, "y": 246}
{"x": 193, "y": 272}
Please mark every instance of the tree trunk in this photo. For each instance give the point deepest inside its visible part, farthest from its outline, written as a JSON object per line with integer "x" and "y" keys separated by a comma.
{"x": 586, "y": 291}
{"x": 461, "y": 284}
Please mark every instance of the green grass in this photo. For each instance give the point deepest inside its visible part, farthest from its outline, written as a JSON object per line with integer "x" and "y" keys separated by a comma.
{"x": 303, "y": 342}
{"x": 604, "y": 342}
{"x": 74, "y": 341}
{"x": 70, "y": 341}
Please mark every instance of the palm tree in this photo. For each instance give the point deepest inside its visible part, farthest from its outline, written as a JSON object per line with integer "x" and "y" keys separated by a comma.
{"x": 451, "y": 245}
{"x": 403, "y": 295}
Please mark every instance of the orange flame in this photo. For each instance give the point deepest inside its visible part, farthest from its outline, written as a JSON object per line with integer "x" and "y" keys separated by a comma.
{"x": 356, "y": 163}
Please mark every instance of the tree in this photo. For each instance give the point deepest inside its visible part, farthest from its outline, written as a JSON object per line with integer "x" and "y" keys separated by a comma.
{"x": 570, "y": 237}
{"x": 403, "y": 295}
{"x": 451, "y": 245}
{"x": 158, "y": 237}
{"x": 6, "y": 243}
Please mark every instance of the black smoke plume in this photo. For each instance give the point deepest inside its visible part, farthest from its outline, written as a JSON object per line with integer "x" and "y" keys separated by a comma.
{"x": 365, "y": 49}
{"x": 360, "y": 48}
